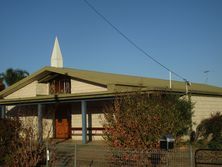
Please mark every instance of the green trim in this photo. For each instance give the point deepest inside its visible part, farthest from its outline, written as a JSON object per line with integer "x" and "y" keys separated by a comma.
{"x": 55, "y": 98}
{"x": 77, "y": 97}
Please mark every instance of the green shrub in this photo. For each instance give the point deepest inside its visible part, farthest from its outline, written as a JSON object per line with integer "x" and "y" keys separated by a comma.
{"x": 210, "y": 130}
{"x": 215, "y": 143}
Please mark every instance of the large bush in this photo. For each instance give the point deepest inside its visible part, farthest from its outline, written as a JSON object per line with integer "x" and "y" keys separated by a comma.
{"x": 210, "y": 131}
{"x": 9, "y": 129}
{"x": 18, "y": 144}
{"x": 138, "y": 120}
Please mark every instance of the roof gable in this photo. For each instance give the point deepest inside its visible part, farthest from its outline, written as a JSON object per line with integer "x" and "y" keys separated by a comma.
{"x": 43, "y": 75}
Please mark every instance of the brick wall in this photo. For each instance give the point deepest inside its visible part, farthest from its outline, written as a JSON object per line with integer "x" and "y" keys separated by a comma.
{"x": 204, "y": 106}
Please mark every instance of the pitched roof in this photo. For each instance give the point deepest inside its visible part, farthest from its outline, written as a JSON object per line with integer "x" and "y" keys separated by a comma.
{"x": 114, "y": 82}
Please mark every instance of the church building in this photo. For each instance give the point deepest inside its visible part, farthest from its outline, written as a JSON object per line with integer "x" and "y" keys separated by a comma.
{"x": 68, "y": 103}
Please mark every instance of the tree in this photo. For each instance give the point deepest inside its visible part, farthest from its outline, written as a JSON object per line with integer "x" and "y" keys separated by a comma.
{"x": 138, "y": 120}
{"x": 2, "y": 86}
{"x": 210, "y": 130}
{"x": 11, "y": 76}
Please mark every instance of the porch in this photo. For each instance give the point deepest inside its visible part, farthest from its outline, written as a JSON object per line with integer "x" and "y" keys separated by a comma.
{"x": 73, "y": 119}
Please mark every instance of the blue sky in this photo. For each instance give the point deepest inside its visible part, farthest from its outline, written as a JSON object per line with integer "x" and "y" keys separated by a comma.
{"x": 184, "y": 35}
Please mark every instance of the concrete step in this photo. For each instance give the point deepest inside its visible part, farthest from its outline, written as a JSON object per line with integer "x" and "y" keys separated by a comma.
{"x": 65, "y": 159}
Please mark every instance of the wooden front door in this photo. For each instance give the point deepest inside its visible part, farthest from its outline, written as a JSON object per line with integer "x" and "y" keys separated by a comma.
{"x": 63, "y": 122}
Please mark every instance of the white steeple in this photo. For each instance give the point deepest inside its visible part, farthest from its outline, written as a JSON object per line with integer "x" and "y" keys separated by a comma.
{"x": 56, "y": 57}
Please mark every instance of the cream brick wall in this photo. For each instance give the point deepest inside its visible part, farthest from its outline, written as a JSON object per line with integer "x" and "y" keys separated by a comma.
{"x": 35, "y": 88}
{"x": 27, "y": 91}
{"x": 96, "y": 122}
{"x": 82, "y": 87}
{"x": 8, "y": 108}
{"x": 76, "y": 120}
{"x": 28, "y": 115}
{"x": 42, "y": 89}
{"x": 205, "y": 106}
{"x": 30, "y": 90}
{"x": 76, "y": 123}
{"x": 47, "y": 128}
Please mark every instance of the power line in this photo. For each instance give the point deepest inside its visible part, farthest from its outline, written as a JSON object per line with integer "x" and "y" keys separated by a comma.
{"x": 132, "y": 42}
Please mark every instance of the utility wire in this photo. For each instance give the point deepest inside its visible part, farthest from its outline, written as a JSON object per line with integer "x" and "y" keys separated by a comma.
{"x": 132, "y": 42}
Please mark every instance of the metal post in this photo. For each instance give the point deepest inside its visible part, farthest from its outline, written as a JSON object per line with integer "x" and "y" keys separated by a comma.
{"x": 170, "y": 77}
{"x": 2, "y": 109}
{"x": 84, "y": 130}
{"x": 90, "y": 125}
{"x": 191, "y": 156}
{"x": 75, "y": 158}
{"x": 186, "y": 88}
{"x": 47, "y": 154}
{"x": 40, "y": 129}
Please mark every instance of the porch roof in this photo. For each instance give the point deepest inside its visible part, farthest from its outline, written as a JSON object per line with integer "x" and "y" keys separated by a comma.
{"x": 56, "y": 98}
{"x": 91, "y": 96}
